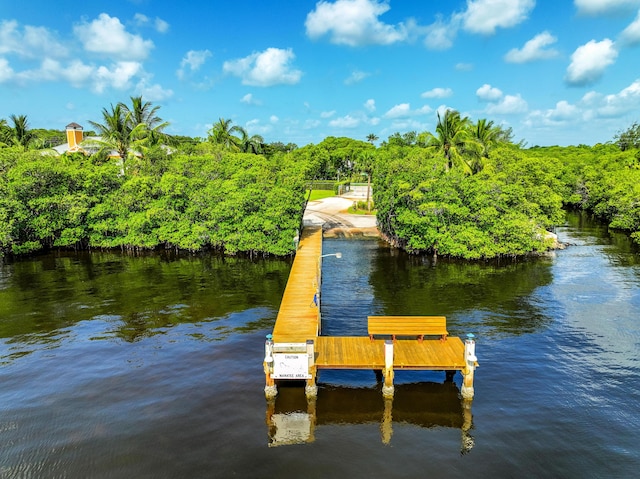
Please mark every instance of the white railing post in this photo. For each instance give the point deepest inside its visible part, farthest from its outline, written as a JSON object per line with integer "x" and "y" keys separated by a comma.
{"x": 311, "y": 389}
{"x": 387, "y": 388}
{"x": 270, "y": 388}
{"x": 470, "y": 366}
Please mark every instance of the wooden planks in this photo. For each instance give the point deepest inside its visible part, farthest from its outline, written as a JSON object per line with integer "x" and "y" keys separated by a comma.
{"x": 418, "y": 326}
{"x": 298, "y": 317}
{"x": 343, "y": 352}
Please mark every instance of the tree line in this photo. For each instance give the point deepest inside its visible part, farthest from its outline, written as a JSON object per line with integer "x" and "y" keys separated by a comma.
{"x": 466, "y": 190}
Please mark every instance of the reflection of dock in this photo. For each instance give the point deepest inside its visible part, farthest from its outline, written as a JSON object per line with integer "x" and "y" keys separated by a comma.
{"x": 292, "y": 420}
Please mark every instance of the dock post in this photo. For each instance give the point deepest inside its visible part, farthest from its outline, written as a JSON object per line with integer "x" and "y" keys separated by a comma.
{"x": 270, "y": 388}
{"x": 467, "y": 372}
{"x": 387, "y": 388}
{"x": 311, "y": 389}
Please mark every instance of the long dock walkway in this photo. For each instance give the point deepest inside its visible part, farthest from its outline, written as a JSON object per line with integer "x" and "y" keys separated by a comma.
{"x": 298, "y": 319}
{"x": 296, "y": 349}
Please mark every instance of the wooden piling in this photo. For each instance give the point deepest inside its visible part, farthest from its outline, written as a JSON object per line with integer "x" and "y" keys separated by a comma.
{"x": 470, "y": 366}
{"x": 311, "y": 389}
{"x": 387, "y": 388}
{"x": 270, "y": 388}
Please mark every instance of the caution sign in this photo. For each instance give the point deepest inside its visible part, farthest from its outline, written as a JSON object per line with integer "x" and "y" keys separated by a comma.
{"x": 290, "y": 366}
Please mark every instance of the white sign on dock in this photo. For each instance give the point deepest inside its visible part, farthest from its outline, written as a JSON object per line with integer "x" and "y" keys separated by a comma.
{"x": 290, "y": 366}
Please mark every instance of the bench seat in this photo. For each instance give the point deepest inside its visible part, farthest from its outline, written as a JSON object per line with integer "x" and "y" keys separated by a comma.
{"x": 418, "y": 326}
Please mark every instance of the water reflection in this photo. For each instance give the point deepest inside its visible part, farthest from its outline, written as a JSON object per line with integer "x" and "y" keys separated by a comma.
{"x": 491, "y": 299}
{"x": 291, "y": 419}
{"x": 129, "y": 298}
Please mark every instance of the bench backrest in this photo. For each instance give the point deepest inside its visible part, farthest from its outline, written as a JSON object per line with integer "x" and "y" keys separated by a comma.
{"x": 407, "y": 325}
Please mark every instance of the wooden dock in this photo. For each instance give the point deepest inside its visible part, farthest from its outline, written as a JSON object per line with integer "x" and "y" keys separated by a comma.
{"x": 346, "y": 352}
{"x": 299, "y": 316}
{"x": 296, "y": 349}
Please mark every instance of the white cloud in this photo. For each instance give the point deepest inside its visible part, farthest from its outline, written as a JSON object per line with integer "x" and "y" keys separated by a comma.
{"x": 106, "y": 35}
{"x": 403, "y": 110}
{"x": 353, "y": 23}
{"x": 370, "y": 105}
{"x": 405, "y": 125}
{"x": 153, "y": 92}
{"x": 267, "y": 68}
{"x": 626, "y": 101}
{"x": 160, "y": 25}
{"x": 464, "y": 67}
{"x": 508, "y": 105}
{"x": 484, "y": 16}
{"x": 488, "y": 93}
{"x": 423, "y": 110}
{"x": 141, "y": 19}
{"x": 255, "y": 127}
{"x": 440, "y": 35}
{"x": 631, "y": 34}
{"x": 192, "y": 62}
{"x": 118, "y": 76}
{"x": 356, "y": 77}
{"x": 534, "y": 49}
{"x": 598, "y": 7}
{"x": 274, "y": 119}
{"x": 345, "y": 122}
{"x": 31, "y": 42}
{"x": 327, "y": 114}
{"x": 437, "y": 93}
{"x": 562, "y": 112}
{"x": 591, "y": 107}
{"x": 6, "y": 72}
{"x": 311, "y": 124}
{"x": 589, "y": 62}
{"x": 250, "y": 100}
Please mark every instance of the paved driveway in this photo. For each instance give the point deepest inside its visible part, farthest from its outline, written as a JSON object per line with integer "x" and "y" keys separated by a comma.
{"x": 331, "y": 214}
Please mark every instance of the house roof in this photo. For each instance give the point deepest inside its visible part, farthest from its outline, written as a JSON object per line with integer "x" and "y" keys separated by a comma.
{"x": 73, "y": 126}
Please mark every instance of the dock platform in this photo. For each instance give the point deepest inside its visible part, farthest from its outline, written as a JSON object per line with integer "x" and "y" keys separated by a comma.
{"x": 297, "y": 349}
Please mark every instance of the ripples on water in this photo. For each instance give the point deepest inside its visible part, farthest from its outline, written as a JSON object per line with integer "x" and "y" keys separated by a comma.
{"x": 115, "y": 366}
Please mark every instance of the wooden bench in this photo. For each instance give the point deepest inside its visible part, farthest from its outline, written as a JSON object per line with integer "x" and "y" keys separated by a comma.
{"x": 418, "y": 326}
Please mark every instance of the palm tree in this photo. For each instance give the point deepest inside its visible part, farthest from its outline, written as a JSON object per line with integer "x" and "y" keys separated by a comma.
{"x": 221, "y": 133}
{"x": 486, "y": 135}
{"x": 117, "y": 132}
{"x": 454, "y": 140}
{"x": 366, "y": 162}
{"x": 371, "y": 137}
{"x": 6, "y": 133}
{"x": 145, "y": 113}
{"x": 21, "y": 135}
{"x": 249, "y": 144}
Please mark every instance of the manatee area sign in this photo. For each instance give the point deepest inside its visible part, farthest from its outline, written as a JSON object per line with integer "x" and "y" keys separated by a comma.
{"x": 291, "y": 365}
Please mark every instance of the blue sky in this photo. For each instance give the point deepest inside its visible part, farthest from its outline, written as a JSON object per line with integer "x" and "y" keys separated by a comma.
{"x": 562, "y": 72}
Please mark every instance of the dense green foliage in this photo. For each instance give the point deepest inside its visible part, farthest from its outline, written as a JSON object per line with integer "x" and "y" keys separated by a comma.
{"x": 217, "y": 199}
{"x": 629, "y": 138}
{"x": 464, "y": 191}
{"x": 503, "y": 210}
{"x": 603, "y": 179}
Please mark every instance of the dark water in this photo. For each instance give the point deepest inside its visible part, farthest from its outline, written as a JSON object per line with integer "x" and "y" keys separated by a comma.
{"x": 121, "y": 367}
